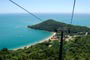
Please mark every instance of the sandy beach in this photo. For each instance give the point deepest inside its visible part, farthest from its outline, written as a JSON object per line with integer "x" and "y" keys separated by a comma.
{"x": 27, "y": 46}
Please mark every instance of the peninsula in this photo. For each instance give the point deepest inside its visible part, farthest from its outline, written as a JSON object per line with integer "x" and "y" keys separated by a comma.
{"x": 52, "y": 25}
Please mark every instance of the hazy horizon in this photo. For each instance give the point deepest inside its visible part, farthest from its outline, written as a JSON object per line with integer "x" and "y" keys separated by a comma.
{"x": 45, "y": 6}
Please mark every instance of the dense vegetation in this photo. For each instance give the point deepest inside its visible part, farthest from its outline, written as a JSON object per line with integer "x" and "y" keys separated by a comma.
{"x": 78, "y": 49}
{"x": 52, "y": 25}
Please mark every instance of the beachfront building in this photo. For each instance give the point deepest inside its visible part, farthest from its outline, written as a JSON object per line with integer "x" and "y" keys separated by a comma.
{"x": 54, "y": 38}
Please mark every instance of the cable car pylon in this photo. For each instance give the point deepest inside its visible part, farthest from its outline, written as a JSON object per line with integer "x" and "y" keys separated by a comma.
{"x": 62, "y": 35}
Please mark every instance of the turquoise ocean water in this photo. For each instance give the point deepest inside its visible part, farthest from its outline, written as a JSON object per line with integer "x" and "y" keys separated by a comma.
{"x": 14, "y": 32}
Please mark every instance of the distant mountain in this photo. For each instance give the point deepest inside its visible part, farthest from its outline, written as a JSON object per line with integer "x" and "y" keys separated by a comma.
{"x": 52, "y": 25}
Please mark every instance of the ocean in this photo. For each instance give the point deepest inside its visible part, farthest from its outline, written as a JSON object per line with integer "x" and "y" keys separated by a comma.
{"x": 14, "y": 32}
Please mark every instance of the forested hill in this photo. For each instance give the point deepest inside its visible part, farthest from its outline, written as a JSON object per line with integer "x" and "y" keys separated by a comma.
{"x": 77, "y": 49}
{"x": 52, "y": 25}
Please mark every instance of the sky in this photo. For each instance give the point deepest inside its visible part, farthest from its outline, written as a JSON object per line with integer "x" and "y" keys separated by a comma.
{"x": 45, "y": 6}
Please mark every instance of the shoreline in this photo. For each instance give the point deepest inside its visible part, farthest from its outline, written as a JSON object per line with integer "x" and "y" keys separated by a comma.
{"x": 29, "y": 45}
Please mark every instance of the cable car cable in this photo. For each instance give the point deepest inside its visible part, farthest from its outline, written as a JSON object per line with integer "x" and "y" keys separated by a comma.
{"x": 62, "y": 35}
{"x": 26, "y": 10}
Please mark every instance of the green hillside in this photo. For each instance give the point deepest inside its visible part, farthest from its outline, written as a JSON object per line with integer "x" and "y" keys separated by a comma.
{"x": 52, "y": 25}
